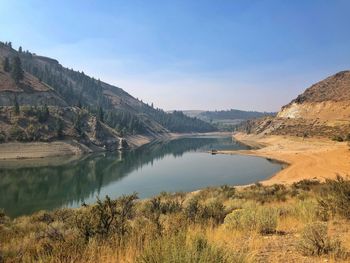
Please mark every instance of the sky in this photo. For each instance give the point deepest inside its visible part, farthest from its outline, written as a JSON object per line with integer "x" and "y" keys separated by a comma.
{"x": 189, "y": 54}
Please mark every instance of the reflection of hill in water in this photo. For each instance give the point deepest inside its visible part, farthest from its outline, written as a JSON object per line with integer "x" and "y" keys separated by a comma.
{"x": 28, "y": 189}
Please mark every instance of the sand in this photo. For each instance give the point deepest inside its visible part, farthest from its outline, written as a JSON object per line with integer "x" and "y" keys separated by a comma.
{"x": 309, "y": 158}
{"x": 36, "y": 150}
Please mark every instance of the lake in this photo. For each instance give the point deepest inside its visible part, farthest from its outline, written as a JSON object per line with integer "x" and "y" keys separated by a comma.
{"x": 175, "y": 165}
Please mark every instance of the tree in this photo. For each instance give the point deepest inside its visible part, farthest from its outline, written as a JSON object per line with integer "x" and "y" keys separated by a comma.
{"x": 16, "y": 106}
{"x": 43, "y": 114}
{"x": 17, "y": 71}
{"x": 20, "y": 49}
{"x": 59, "y": 128}
{"x": 6, "y": 65}
{"x": 100, "y": 114}
{"x": 78, "y": 124}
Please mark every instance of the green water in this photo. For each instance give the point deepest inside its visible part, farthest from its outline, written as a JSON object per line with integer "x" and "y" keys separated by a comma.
{"x": 177, "y": 165}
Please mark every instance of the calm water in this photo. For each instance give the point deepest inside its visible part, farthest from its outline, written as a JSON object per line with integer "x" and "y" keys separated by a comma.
{"x": 177, "y": 165}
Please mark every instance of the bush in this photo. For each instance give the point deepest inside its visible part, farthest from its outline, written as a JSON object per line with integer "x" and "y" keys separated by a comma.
{"x": 178, "y": 248}
{"x": 267, "y": 220}
{"x": 337, "y": 138}
{"x": 2, "y": 137}
{"x": 3, "y": 218}
{"x": 192, "y": 209}
{"x": 251, "y": 217}
{"x": 214, "y": 211}
{"x": 16, "y": 133}
{"x": 335, "y": 197}
{"x": 33, "y": 133}
{"x": 305, "y": 184}
{"x": 316, "y": 242}
{"x": 263, "y": 194}
{"x": 107, "y": 217}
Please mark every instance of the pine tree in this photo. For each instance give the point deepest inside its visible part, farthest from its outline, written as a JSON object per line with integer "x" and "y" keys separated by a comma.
{"x": 100, "y": 114}
{"x": 20, "y": 49}
{"x": 17, "y": 71}
{"x": 59, "y": 128}
{"x": 16, "y": 106}
{"x": 6, "y": 65}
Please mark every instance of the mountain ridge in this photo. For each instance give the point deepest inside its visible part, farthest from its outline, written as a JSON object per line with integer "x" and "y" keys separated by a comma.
{"x": 86, "y": 106}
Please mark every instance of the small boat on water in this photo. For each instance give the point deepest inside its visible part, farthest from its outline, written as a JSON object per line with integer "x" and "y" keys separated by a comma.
{"x": 213, "y": 151}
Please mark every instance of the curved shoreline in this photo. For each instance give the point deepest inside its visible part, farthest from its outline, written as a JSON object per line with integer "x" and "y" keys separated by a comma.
{"x": 40, "y": 151}
{"x": 307, "y": 158}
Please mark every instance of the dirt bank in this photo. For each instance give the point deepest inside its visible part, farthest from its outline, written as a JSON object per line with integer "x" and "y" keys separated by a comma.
{"x": 308, "y": 158}
{"x": 33, "y": 150}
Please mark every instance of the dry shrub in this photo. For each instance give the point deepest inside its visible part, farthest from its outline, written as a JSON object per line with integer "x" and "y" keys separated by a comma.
{"x": 316, "y": 242}
{"x": 253, "y": 217}
{"x": 179, "y": 248}
{"x": 335, "y": 198}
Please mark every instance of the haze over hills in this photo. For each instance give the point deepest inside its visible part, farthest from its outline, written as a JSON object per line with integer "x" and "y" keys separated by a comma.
{"x": 322, "y": 110}
{"x": 50, "y": 102}
{"x": 226, "y": 116}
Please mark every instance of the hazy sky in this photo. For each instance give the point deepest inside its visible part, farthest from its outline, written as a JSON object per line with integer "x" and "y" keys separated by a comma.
{"x": 190, "y": 54}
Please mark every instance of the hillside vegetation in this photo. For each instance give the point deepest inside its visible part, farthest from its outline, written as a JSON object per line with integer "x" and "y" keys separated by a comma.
{"x": 30, "y": 84}
{"x": 305, "y": 222}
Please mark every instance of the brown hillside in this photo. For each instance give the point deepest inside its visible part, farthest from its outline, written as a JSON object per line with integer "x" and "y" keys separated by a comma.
{"x": 333, "y": 88}
{"x": 322, "y": 110}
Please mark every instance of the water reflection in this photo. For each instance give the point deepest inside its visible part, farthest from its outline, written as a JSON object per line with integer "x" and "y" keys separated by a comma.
{"x": 26, "y": 189}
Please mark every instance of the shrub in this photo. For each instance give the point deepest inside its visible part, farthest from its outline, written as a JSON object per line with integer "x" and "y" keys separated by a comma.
{"x": 337, "y": 138}
{"x": 2, "y": 137}
{"x": 335, "y": 197}
{"x": 305, "y": 184}
{"x": 3, "y": 218}
{"x": 227, "y": 191}
{"x": 263, "y": 194}
{"x": 33, "y": 133}
{"x": 107, "y": 217}
{"x": 214, "y": 211}
{"x": 251, "y": 217}
{"x": 16, "y": 133}
{"x": 315, "y": 241}
{"x": 192, "y": 209}
{"x": 347, "y": 137}
{"x": 178, "y": 248}
{"x": 267, "y": 220}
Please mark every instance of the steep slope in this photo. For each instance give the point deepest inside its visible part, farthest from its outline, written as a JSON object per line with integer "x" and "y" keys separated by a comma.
{"x": 75, "y": 106}
{"x": 327, "y": 100}
{"x": 322, "y": 110}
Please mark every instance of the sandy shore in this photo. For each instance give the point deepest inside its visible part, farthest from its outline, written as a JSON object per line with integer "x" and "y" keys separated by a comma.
{"x": 35, "y": 150}
{"x": 310, "y": 158}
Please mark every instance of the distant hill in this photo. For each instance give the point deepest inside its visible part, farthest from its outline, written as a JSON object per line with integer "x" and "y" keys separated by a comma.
{"x": 83, "y": 107}
{"x": 322, "y": 110}
{"x": 225, "y": 119}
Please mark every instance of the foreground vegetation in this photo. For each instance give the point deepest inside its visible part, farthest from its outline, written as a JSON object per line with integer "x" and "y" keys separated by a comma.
{"x": 306, "y": 222}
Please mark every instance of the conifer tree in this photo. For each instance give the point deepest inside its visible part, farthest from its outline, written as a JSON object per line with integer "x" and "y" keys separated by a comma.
{"x": 16, "y": 106}
{"x": 6, "y": 65}
{"x": 17, "y": 71}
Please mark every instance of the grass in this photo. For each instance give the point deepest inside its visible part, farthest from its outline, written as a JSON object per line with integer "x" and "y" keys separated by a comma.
{"x": 305, "y": 222}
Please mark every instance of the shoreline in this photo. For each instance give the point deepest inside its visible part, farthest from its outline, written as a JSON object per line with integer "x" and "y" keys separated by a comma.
{"x": 305, "y": 158}
{"x": 41, "y": 151}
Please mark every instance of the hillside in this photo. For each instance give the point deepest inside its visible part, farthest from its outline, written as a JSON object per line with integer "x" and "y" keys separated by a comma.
{"x": 322, "y": 110}
{"x": 75, "y": 105}
{"x": 226, "y": 120}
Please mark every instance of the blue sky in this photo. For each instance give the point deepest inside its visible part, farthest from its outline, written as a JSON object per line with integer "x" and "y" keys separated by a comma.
{"x": 253, "y": 55}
